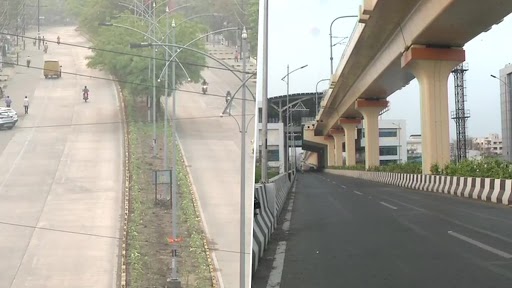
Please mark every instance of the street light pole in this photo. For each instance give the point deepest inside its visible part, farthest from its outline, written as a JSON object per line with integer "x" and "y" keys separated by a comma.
{"x": 330, "y": 36}
{"x": 287, "y": 76}
{"x": 242, "y": 162}
{"x": 154, "y": 79}
{"x": 264, "y": 98}
{"x": 38, "y": 25}
{"x": 316, "y": 95}
{"x": 399, "y": 141}
{"x": 287, "y": 162}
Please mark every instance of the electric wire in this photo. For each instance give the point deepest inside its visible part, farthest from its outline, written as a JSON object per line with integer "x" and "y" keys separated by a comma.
{"x": 127, "y": 54}
{"x": 122, "y": 81}
{"x": 95, "y": 235}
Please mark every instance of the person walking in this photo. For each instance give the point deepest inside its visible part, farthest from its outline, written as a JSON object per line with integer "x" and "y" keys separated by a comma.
{"x": 8, "y": 102}
{"x": 25, "y": 104}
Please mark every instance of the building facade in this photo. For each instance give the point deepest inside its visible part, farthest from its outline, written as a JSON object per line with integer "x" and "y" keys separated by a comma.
{"x": 506, "y": 110}
{"x": 489, "y": 146}
{"x": 275, "y": 146}
{"x": 392, "y": 141}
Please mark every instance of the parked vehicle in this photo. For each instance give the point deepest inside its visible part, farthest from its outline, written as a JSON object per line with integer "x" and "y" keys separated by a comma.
{"x": 8, "y": 118}
{"x": 52, "y": 68}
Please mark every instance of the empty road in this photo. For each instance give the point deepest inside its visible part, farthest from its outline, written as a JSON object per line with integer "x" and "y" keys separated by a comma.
{"x": 212, "y": 146}
{"x": 346, "y": 232}
{"x": 61, "y": 175}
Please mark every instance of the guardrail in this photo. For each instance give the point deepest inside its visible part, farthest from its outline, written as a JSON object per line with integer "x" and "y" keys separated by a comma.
{"x": 269, "y": 201}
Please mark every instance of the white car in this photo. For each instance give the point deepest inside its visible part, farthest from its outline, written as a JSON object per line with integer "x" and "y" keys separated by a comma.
{"x": 8, "y": 118}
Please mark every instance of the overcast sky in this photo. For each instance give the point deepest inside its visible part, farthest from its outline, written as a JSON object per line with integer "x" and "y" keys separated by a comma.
{"x": 299, "y": 35}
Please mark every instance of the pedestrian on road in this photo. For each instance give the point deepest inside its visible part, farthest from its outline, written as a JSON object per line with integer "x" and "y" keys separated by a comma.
{"x": 8, "y": 102}
{"x": 236, "y": 56}
{"x": 25, "y": 104}
{"x": 28, "y": 61}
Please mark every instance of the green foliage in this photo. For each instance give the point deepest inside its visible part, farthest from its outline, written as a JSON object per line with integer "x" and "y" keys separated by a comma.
{"x": 257, "y": 174}
{"x": 485, "y": 168}
{"x": 253, "y": 25}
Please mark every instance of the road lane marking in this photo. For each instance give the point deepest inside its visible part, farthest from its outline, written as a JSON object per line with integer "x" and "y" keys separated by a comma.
{"x": 344, "y": 187}
{"x": 357, "y": 192}
{"x": 387, "y": 205}
{"x": 274, "y": 280}
{"x": 481, "y": 245}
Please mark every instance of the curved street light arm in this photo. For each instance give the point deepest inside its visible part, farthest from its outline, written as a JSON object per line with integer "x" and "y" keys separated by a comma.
{"x": 302, "y": 67}
{"x": 330, "y": 35}
{"x": 186, "y": 45}
{"x": 316, "y": 95}
{"x": 233, "y": 96}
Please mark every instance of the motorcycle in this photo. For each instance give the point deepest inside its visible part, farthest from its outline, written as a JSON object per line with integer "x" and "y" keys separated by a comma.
{"x": 205, "y": 89}
{"x": 86, "y": 97}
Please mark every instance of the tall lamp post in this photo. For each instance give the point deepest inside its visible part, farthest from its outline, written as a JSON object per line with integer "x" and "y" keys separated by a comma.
{"x": 330, "y": 36}
{"x": 264, "y": 97}
{"x": 242, "y": 163}
{"x": 506, "y": 154}
{"x": 316, "y": 95}
{"x": 287, "y": 77}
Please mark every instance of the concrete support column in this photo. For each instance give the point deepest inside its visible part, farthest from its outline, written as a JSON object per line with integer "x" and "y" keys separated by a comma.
{"x": 349, "y": 126}
{"x": 339, "y": 138}
{"x": 432, "y": 67}
{"x": 330, "y": 150}
{"x": 370, "y": 109}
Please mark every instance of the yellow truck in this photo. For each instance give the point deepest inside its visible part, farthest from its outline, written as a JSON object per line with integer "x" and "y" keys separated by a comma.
{"x": 52, "y": 68}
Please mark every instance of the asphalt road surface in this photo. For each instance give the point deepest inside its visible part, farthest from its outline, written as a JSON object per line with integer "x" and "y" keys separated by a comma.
{"x": 347, "y": 232}
{"x": 61, "y": 175}
{"x": 212, "y": 147}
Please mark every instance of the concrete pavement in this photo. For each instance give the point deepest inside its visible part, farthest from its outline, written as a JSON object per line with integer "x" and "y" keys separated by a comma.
{"x": 212, "y": 146}
{"x": 347, "y": 232}
{"x": 61, "y": 176}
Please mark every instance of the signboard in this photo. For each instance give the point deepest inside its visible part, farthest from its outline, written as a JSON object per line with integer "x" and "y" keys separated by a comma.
{"x": 162, "y": 177}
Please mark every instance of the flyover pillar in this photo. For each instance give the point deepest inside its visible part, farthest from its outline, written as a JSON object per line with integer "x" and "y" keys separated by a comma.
{"x": 432, "y": 67}
{"x": 349, "y": 126}
{"x": 370, "y": 109}
{"x": 331, "y": 150}
{"x": 339, "y": 138}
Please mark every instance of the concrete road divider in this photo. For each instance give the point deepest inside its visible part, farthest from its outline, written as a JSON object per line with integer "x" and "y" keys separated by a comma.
{"x": 484, "y": 189}
{"x": 271, "y": 197}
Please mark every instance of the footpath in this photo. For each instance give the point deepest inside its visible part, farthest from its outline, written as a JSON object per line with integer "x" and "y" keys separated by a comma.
{"x": 18, "y": 81}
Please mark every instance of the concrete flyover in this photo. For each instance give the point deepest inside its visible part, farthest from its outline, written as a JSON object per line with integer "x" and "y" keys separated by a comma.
{"x": 395, "y": 42}
{"x": 61, "y": 175}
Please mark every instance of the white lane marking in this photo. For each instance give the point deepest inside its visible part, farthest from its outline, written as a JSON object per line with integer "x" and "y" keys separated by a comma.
{"x": 387, "y": 205}
{"x": 357, "y": 192}
{"x": 344, "y": 186}
{"x": 481, "y": 245}
{"x": 274, "y": 280}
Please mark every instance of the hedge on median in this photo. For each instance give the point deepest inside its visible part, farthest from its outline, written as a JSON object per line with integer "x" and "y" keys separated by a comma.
{"x": 485, "y": 168}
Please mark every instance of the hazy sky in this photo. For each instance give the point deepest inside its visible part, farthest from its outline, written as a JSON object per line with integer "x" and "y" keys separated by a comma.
{"x": 299, "y": 35}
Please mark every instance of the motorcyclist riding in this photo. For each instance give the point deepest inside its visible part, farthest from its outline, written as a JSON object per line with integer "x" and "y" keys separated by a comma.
{"x": 86, "y": 91}
{"x": 58, "y": 40}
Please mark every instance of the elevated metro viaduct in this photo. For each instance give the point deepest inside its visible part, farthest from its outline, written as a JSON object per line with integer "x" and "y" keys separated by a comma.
{"x": 394, "y": 42}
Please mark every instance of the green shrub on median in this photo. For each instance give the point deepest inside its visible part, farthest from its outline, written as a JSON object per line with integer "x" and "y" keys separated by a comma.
{"x": 485, "y": 168}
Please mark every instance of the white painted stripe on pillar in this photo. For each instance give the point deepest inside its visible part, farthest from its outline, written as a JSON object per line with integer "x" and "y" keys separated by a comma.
{"x": 477, "y": 188}
{"x": 468, "y": 187}
{"x": 487, "y": 188}
{"x": 494, "y": 195}
{"x": 506, "y": 196}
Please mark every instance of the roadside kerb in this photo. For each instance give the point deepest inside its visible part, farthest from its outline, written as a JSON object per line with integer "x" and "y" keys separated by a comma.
{"x": 483, "y": 189}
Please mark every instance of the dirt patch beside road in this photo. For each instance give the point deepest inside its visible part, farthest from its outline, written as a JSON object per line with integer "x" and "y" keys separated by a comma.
{"x": 149, "y": 227}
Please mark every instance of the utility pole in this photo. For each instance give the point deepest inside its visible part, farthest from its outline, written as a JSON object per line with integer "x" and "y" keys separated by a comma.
{"x": 264, "y": 98}
{"x": 38, "y": 25}
{"x": 242, "y": 162}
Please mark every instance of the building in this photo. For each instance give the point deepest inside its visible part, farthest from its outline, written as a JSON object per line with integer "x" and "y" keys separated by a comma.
{"x": 414, "y": 150}
{"x": 490, "y": 145}
{"x": 275, "y": 146}
{"x": 506, "y": 110}
{"x": 392, "y": 141}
